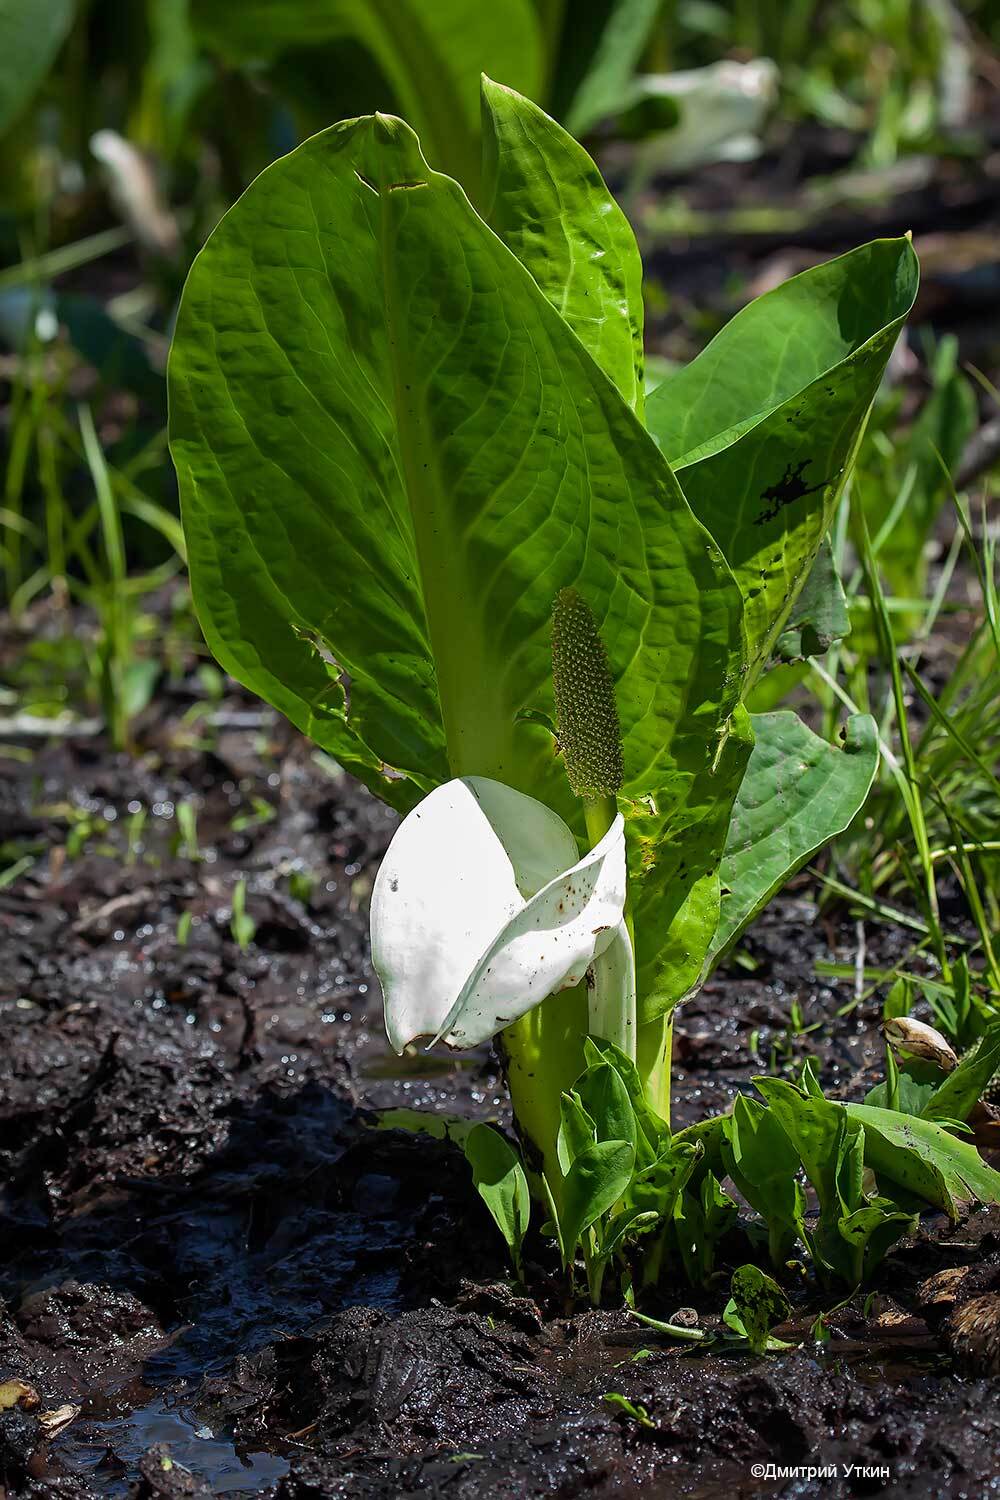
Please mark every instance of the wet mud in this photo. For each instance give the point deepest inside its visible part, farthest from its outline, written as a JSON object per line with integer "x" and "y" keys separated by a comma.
{"x": 219, "y": 1277}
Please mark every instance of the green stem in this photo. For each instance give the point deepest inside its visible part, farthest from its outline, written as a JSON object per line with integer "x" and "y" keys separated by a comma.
{"x": 654, "y": 1050}
{"x": 595, "y": 1264}
{"x": 543, "y": 1051}
{"x": 608, "y": 1018}
{"x": 543, "y": 1058}
{"x": 599, "y": 813}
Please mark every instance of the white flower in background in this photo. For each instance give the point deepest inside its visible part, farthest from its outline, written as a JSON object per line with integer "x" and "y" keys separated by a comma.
{"x": 482, "y": 908}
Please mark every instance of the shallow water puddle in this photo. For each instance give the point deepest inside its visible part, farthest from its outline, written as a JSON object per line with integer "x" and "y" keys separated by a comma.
{"x": 108, "y": 1452}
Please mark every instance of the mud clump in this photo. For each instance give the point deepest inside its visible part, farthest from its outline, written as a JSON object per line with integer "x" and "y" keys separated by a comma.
{"x": 84, "y": 1335}
{"x": 434, "y": 1402}
{"x": 162, "y": 1478}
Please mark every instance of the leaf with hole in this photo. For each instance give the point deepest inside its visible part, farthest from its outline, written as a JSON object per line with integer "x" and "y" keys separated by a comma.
{"x": 756, "y": 1304}
{"x": 762, "y": 426}
{"x": 390, "y": 399}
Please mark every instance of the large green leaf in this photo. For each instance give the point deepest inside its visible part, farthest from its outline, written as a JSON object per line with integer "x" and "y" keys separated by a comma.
{"x": 547, "y": 201}
{"x": 31, "y": 34}
{"x": 798, "y": 792}
{"x": 762, "y": 427}
{"x": 549, "y": 204}
{"x": 392, "y": 453}
{"x": 430, "y": 54}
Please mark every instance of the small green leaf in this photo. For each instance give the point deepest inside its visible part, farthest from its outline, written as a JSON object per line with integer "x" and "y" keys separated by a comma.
{"x": 701, "y": 1219}
{"x": 626, "y": 1228}
{"x": 605, "y": 1098}
{"x": 758, "y": 1302}
{"x": 899, "y": 1000}
{"x": 138, "y": 686}
{"x": 656, "y": 1187}
{"x": 815, "y": 1128}
{"x": 762, "y": 1162}
{"x": 576, "y": 1130}
{"x": 501, "y": 1183}
{"x": 707, "y": 1136}
{"x": 902, "y": 1091}
{"x": 809, "y": 1079}
{"x": 652, "y": 1133}
{"x": 891, "y": 1081}
{"x": 241, "y": 923}
{"x": 595, "y": 1182}
{"x": 871, "y": 1231}
{"x": 830, "y": 1146}
{"x": 637, "y": 1413}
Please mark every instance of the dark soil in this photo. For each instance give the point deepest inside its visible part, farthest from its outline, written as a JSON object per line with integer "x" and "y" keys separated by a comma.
{"x": 217, "y": 1275}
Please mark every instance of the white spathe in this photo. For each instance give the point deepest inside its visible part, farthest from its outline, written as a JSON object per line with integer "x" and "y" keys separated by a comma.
{"x": 482, "y": 908}
{"x": 611, "y": 996}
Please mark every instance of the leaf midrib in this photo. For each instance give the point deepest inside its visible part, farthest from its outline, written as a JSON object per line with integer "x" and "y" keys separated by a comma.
{"x": 477, "y": 734}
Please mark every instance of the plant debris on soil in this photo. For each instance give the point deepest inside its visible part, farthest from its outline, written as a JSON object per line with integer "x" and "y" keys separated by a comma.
{"x": 219, "y": 1276}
